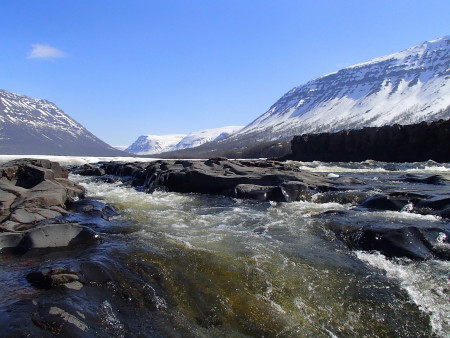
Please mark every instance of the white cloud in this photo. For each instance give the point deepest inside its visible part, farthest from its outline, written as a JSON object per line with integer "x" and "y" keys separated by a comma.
{"x": 45, "y": 52}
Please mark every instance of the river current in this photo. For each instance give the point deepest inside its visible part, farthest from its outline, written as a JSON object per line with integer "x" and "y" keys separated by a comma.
{"x": 232, "y": 267}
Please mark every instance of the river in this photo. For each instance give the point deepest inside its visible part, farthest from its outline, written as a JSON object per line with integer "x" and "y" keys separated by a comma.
{"x": 234, "y": 268}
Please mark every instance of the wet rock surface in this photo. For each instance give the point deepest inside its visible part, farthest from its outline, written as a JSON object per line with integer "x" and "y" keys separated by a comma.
{"x": 409, "y": 241}
{"x": 50, "y": 231}
{"x": 86, "y": 299}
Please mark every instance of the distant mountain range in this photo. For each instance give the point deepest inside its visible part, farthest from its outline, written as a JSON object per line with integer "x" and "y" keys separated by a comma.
{"x": 38, "y": 127}
{"x": 405, "y": 88}
{"x": 155, "y": 144}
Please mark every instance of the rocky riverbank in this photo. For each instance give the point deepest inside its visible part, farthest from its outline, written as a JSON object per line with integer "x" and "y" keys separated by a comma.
{"x": 47, "y": 230}
{"x": 408, "y": 143}
{"x": 35, "y": 197}
{"x": 285, "y": 182}
{"x": 259, "y": 180}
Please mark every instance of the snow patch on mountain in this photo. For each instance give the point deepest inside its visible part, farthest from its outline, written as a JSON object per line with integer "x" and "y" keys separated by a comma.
{"x": 155, "y": 144}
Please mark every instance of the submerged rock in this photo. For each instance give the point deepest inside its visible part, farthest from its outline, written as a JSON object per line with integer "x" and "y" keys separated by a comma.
{"x": 433, "y": 179}
{"x": 48, "y": 278}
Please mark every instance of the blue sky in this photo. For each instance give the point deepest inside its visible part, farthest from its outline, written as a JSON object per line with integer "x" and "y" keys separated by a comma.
{"x": 127, "y": 68}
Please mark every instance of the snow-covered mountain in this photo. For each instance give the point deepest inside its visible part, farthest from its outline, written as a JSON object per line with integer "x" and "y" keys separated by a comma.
{"x": 405, "y": 88}
{"x": 38, "y": 127}
{"x": 155, "y": 144}
{"x": 198, "y": 138}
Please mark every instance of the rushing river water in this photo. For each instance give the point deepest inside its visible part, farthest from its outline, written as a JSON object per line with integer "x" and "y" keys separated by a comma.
{"x": 240, "y": 267}
{"x": 236, "y": 268}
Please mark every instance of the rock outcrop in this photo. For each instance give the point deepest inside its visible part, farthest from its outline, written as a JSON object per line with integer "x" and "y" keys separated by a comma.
{"x": 34, "y": 198}
{"x": 411, "y": 242}
{"x": 409, "y": 143}
{"x": 260, "y": 180}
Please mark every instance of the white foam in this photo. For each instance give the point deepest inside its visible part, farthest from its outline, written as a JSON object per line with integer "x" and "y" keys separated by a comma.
{"x": 430, "y": 294}
{"x": 402, "y": 215}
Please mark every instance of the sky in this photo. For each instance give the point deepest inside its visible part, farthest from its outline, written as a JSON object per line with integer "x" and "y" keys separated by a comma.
{"x": 128, "y": 68}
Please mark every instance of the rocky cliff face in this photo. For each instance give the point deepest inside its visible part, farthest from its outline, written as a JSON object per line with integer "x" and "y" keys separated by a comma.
{"x": 29, "y": 126}
{"x": 410, "y": 143}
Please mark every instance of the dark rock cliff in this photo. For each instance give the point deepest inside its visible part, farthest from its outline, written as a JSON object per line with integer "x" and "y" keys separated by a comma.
{"x": 409, "y": 143}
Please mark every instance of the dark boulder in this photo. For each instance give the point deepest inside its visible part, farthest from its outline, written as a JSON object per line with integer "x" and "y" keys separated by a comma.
{"x": 436, "y": 203}
{"x": 88, "y": 170}
{"x": 56, "y": 236}
{"x": 254, "y": 192}
{"x": 27, "y": 173}
{"x": 410, "y": 242}
{"x": 439, "y": 206}
{"x": 410, "y": 202}
{"x": 382, "y": 202}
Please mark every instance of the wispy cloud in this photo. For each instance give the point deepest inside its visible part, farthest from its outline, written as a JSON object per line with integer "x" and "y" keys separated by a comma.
{"x": 45, "y": 52}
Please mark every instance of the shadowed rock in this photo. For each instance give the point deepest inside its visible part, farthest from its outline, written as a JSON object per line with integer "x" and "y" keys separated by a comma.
{"x": 408, "y": 143}
{"x": 412, "y": 242}
{"x": 34, "y": 195}
{"x": 55, "y": 235}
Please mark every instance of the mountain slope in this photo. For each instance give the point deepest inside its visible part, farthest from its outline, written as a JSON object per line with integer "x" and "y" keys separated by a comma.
{"x": 405, "y": 88}
{"x": 198, "y": 138}
{"x": 38, "y": 127}
{"x": 155, "y": 144}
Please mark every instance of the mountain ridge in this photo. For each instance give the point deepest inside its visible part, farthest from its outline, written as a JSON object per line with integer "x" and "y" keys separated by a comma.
{"x": 31, "y": 126}
{"x": 155, "y": 144}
